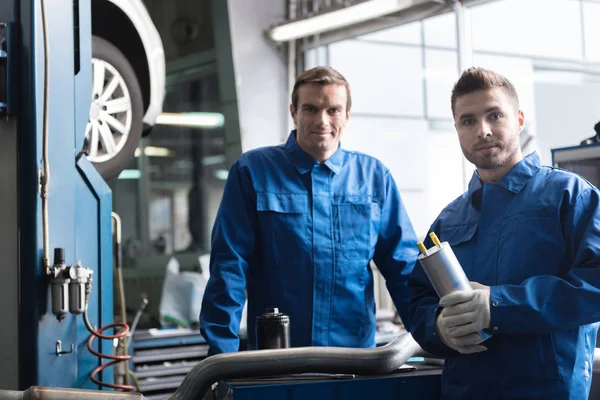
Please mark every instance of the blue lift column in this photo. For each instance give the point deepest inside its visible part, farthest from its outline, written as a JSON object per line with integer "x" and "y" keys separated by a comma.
{"x": 45, "y": 89}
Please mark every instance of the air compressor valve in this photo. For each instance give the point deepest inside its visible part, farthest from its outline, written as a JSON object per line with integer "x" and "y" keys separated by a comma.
{"x": 70, "y": 286}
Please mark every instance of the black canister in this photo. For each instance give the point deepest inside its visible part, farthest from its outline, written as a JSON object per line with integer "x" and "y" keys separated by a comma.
{"x": 272, "y": 330}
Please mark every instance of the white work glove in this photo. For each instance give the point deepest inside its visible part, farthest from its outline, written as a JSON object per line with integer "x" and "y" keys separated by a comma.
{"x": 465, "y": 314}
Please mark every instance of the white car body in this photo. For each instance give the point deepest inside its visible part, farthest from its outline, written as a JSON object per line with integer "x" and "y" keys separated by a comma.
{"x": 155, "y": 55}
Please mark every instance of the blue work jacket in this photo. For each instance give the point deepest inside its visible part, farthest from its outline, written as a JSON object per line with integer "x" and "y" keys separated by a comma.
{"x": 534, "y": 239}
{"x": 298, "y": 235}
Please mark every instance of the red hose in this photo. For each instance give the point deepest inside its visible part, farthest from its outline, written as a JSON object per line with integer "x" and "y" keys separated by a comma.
{"x": 116, "y": 359}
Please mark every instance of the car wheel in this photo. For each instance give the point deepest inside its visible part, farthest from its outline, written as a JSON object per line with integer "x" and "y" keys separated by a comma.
{"x": 115, "y": 122}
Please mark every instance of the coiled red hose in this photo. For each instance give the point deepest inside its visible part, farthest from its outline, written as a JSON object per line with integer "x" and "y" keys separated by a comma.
{"x": 116, "y": 359}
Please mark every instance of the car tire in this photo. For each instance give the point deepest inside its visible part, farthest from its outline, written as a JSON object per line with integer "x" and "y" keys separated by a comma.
{"x": 115, "y": 123}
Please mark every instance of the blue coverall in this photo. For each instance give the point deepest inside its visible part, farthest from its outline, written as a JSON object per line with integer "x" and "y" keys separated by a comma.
{"x": 299, "y": 234}
{"x": 534, "y": 238}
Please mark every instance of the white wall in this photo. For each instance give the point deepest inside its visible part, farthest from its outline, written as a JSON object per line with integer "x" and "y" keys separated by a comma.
{"x": 260, "y": 72}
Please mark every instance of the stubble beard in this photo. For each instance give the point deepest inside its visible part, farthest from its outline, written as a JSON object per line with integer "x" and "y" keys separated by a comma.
{"x": 490, "y": 161}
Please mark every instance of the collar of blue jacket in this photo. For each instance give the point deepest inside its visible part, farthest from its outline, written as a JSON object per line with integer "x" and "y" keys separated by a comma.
{"x": 304, "y": 162}
{"x": 515, "y": 179}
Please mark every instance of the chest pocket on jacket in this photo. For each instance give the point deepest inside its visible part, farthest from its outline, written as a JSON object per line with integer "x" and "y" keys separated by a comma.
{"x": 282, "y": 203}
{"x": 282, "y": 219}
{"x": 459, "y": 237}
{"x": 359, "y": 224}
{"x": 456, "y": 235}
{"x": 531, "y": 243}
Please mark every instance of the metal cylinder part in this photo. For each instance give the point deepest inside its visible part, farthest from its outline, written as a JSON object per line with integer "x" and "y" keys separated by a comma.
{"x": 60, "y": 297}
{"x": 59, "y": 285}
{"x": 77, "y": 297}
{"x": 79, "y": 276}
{"x": 443, "y": 270}
{"x": 272, "y": 330}
{"x": 59, "y": 257}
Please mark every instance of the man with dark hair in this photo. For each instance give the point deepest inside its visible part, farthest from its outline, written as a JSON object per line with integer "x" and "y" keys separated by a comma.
{"x": 526, "y": 236}
{"x": 298, "y": 226}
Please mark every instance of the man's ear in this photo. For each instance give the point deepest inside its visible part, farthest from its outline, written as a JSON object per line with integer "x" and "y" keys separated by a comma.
{"x": 521, "y": 119}
{"x": 293, "y": 112}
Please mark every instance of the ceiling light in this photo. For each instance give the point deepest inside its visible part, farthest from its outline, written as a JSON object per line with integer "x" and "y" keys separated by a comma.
{"x": 221, "y": 174}
{"x": 192, "y": 119}
{"x": 152, "y": 151}
{"x": 340, "y": 18}
{"x": 212, "y": 160}
{"x": 130, "y": 174}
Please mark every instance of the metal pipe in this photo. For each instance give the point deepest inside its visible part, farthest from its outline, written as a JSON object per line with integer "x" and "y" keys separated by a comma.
{"x": 596, "y": 365}
{"x": 10, "y": 395}
{"x": 44, "y": 393}
{"x": 256, "y": 363}
{"x": 291, "y": 60}
{"x": 465, "y": 60}
{"x": 136, "y": 320}
{"x": 45, "y": 176}
{"x": 121, "y": 291}
{"x": 118, "y": 249}
{"x": 335, "y": 360}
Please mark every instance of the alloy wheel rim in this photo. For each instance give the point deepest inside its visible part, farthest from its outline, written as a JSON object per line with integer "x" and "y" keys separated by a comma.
{"x": 110, "y": 114}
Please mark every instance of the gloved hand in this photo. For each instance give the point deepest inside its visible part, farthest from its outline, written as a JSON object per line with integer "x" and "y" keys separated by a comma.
{"x": 465, "y": 345}
{"x": 477, "y": 285}
{"x": 465, "y": 313}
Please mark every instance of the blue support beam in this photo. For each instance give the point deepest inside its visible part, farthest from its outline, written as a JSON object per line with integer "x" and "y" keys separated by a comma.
{"x": 79, "y": 201}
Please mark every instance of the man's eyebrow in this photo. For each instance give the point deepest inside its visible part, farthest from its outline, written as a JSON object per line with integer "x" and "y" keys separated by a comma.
{"x": 493, "y": 108}
{"x": 471, "y": 115}
{"x": 303, "y": 105}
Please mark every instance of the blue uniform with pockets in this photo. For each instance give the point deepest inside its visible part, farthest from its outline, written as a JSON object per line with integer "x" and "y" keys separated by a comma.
{"x": 299, "y": 235}
{"x": 534, "y": 239}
